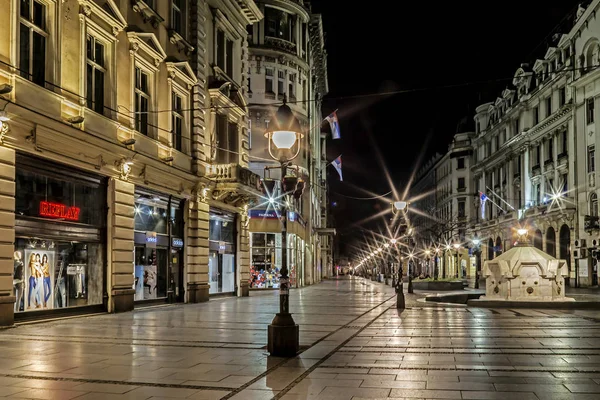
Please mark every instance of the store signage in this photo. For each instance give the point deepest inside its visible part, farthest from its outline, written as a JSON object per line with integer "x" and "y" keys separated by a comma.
{"x": 151, "y": 240}
{"x": 292, "y": 216}
{"x": 57, "y": 210}
{"x": 176, "y": 242}
{"x": 266, "y": 214}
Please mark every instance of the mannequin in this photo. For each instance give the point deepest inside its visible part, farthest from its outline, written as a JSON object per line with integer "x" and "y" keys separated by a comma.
{"x": 18, "y": 279}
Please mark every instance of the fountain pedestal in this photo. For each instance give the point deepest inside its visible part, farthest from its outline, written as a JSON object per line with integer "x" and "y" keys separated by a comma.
{"x": 525, "y": 274}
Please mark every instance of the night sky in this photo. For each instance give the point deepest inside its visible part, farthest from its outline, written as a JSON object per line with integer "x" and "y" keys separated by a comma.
{"x": 463, "y": 53}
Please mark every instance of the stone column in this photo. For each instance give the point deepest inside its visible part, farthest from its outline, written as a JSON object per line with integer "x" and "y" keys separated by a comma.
{"x": 7, "y": 235}
{"x": 525, "y": 178}
{"x": 197, "y": 249}
{"x": 244, "y": 255}
{"x": 121, "y": 268}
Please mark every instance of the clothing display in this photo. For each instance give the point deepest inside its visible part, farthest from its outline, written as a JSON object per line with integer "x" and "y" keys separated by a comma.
{"x": 18, "y": 280}
{"x": 79, "y": 281}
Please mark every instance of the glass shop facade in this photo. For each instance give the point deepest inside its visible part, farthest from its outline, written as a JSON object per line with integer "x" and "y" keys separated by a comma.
{"x": 222, "y": 260}
{"x": 159, "y": 247}
{"x": 60, "y": 238}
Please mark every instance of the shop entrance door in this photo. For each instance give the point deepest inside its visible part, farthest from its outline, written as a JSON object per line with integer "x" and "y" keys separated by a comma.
{"x": 221, "y": 272}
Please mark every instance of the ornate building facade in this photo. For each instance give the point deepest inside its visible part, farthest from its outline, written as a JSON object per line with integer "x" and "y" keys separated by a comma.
{"x": 534, "y": 155}
{"x": 288, "y": 64}
{"x": 118, "y": 187}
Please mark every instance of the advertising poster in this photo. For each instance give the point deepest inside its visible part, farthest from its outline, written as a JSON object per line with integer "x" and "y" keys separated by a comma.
{"x": 139, "y": 282}
{"x": 150, "y": 282}
{"x": 39, "y": 279}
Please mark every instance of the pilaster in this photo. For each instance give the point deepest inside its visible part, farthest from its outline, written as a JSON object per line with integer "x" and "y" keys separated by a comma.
{"x": 197, "y": 250}
{"x": 198, "y": 10}
{"x": 244, "y": 255}
{"x": 7, "y": 235}
{"x": 121, "y": 205}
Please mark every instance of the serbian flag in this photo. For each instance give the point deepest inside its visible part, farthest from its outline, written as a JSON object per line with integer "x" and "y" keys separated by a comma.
{"x": 334, "y": 125}
{"x": 337, "y": 164}
{"x": 483, "y": 198}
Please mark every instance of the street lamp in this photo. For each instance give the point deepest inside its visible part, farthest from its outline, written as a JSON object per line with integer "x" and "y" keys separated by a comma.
{"x": 477, "y": 252}
{"x": 284, "y": 134}
{"x": 456, "y": 247}
{"x": 399, "y": 206}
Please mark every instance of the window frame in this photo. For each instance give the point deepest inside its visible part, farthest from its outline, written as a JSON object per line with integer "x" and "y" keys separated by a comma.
{"x": 95, "y": 66}
{"x": 590, "y": 110}
{"x": 139, "y": 93}
{"x": 591, "y": 158}
{"x": 47, "y": 33}
{"x": 183, "y": 31}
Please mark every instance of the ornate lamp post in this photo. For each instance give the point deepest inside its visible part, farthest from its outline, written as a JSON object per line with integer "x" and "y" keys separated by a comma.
{"x": 456, "y": 247}
{"x": 284, "y": 136}
{"x": 477, "y": 252}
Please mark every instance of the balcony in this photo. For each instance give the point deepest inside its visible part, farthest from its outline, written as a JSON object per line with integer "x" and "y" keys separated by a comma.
{"x": 233, "y": 181}
{"x": 281, "y": 45}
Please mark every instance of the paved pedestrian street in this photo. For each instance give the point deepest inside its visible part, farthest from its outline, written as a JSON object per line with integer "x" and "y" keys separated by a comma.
{"x": 355, "y": 345}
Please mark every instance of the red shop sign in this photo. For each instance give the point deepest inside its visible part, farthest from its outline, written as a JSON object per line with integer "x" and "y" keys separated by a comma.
{"x": 56, "y": 210}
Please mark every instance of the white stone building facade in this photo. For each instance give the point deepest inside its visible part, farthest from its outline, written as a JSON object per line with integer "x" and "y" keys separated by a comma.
{"x": 534, "y": 156}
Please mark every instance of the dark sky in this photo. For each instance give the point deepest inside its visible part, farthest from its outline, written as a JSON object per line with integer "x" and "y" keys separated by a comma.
{"x": 400, "y": 45}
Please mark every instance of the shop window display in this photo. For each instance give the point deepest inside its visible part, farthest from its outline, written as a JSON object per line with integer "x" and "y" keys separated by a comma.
{"x": 50, "y": 275}
{"x": 266, "y": 260}
{"x": 150, "y": 273}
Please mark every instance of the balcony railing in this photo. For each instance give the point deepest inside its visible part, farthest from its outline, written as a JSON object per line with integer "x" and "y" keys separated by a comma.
{"x": 280, "y": 44}
{"x": 223, "y": 173}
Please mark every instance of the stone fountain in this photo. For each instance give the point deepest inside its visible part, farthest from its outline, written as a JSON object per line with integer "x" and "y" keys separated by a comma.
{"x": 525, "y": 274}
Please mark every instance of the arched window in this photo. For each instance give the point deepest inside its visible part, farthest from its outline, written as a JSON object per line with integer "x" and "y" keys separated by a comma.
{"x": 594, "y": 204}
{"x": 551, "y": 241}
{"x": 537, "y": 239}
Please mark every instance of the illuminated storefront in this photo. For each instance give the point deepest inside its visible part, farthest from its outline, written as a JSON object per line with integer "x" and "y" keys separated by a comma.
{"x": 158, "y": 247}
{"x": 60, "y": 246}
{"x": 222, "y": 266}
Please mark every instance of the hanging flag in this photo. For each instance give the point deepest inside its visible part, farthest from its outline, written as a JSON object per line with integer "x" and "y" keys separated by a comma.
{"x": 482, "y": 198}
{"x": 337, "y": 164}
{"x": 334, "y": 125}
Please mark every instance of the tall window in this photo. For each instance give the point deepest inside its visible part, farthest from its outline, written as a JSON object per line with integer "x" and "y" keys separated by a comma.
{"x": 536, "y": 116}
{"x": 460, "y": 163}
{"x": 562, "y": 96}
{"x": 221, "y": 49}
{"x": 229, "y": 58}
{"x": 549, "y": 150}
{"x": 279, "y": 24}
{"x": 95, "y": 72}
{"x": 177, "y": 13}
{"x": 594, "y": 205}
{"x": 304, "y": 93}
{"x": 549, "y": 106}
{"x": 269, "y": 80}
{"x": 461, "y": 208}
{"x": 517, "y": 127}
{"x": 591, "y": 158}
{"x": 461, "y": 184}
{"x": 33, "y": 35}
{"x": 177, "y": 121}
{"x": 291, "y": 86}
{"x": 142, "y": 100}
{"x": 227, "y": 141}
{"x": 563, "y": 138}
{"x": 589, "y": 110}
{"x": 280, "y": 82}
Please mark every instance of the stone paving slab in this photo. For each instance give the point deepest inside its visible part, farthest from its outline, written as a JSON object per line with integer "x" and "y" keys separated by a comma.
{"x": 356, "y": 345}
